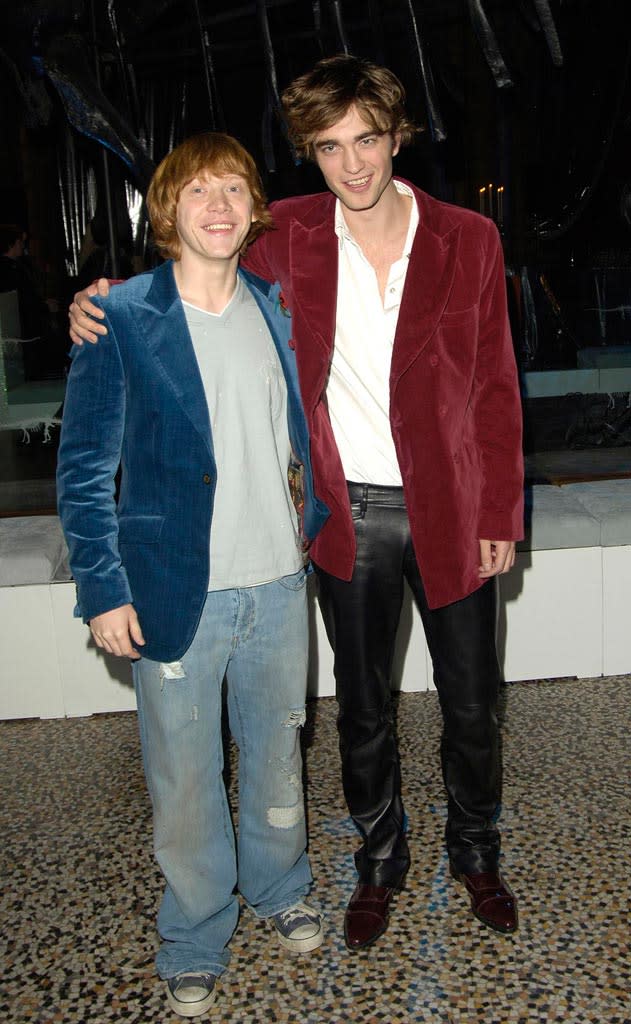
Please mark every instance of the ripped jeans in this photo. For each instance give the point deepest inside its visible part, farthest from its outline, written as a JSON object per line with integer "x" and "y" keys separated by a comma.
{"x": 257, "y": 638}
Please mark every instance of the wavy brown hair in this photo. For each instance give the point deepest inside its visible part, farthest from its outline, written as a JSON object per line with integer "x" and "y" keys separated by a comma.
{"x": 323, "y": 96}
{"x": 209, "y": 153}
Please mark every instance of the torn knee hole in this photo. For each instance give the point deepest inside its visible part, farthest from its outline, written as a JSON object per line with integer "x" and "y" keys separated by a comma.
{"x": 295, "y": 719}
{"x": 286, "y": 817}
{"x": 171, "y": 670}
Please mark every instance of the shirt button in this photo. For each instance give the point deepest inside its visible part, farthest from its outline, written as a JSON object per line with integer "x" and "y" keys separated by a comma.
{"x": 206, "y": 478}
{"x": 392, "y": 291}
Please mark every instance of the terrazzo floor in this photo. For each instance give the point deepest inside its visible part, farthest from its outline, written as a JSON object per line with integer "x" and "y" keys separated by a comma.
{"x": 80, "y": 886}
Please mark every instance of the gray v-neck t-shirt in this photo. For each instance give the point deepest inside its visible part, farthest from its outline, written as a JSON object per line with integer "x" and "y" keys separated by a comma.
{"x": 254, "y": 535}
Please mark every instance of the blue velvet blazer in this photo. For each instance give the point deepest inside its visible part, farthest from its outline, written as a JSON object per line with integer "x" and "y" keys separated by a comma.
{"x": 136, "y": 399}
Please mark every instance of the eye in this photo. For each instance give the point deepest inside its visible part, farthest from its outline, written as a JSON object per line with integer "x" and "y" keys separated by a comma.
{"x": 328, "y": 148}
{"x": 368, "y": 141}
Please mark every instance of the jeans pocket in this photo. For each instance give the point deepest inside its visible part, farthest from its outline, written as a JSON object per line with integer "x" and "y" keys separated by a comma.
{"x": 296, "y": 581}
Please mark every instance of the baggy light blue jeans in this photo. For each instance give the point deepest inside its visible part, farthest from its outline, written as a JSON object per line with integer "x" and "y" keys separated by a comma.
{"x": 257, "y": 638}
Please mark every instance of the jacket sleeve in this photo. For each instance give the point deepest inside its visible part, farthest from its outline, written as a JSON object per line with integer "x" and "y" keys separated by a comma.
{"x": 89, "y": 455}
{"x": 497, "y": 407}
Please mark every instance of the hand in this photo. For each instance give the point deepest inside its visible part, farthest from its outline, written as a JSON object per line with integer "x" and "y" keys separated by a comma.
{"x": 115, "y": 630}
{"x": 496, "y": 557}
{"x": 82, "y": 313}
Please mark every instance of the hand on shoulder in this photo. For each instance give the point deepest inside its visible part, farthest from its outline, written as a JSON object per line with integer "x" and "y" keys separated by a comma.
{"x": 84, "y": 315}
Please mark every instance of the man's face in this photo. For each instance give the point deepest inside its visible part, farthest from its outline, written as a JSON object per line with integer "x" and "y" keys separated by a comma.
{"x": 356, "y": 161}
{"x": 213, "y": 217}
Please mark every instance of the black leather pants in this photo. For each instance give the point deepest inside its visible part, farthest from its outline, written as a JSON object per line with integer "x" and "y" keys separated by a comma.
{"x": 361, "y": 619}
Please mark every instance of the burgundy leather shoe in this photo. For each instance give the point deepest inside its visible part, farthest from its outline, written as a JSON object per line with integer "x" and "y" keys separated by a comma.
{"x": 492, "y": 901}
{"x": 366, "y": 916}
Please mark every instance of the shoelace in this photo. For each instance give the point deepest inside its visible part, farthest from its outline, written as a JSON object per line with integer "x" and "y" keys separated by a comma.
{"x": 287, "y": 916}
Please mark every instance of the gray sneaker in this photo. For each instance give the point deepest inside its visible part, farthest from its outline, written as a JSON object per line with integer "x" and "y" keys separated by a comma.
{"x": 190, "y": 993}
{"x": 299, "y": 928}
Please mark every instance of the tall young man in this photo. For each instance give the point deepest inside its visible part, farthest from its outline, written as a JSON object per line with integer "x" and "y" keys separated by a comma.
{"x": 198, "y": 572}
{"x": 409, "y": 385}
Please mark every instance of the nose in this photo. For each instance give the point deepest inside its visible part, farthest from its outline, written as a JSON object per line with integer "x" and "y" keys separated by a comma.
{"x": 218, "y": 199}
{"x": 352, "y": 160}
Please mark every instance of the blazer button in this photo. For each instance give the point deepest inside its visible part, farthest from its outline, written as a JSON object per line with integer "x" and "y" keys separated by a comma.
{"x": 433, "y": 359}
{"x": 291, "y": 343}
{"x": 206, "y": 478}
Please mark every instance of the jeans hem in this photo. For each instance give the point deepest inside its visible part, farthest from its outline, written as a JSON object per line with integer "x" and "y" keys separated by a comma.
{"x": 268, "y": 910}
{"x": 197, "y": 967}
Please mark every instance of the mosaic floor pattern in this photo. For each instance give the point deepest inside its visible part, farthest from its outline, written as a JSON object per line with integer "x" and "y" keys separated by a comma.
{"x": 80, "y": 886}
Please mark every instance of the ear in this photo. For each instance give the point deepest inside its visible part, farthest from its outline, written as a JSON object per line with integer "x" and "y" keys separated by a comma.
{"x": 396, "y": 143}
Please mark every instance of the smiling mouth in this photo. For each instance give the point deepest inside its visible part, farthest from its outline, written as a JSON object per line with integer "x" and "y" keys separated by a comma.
{"x": 217, "y": 227}
{"x": 358, "y": 182}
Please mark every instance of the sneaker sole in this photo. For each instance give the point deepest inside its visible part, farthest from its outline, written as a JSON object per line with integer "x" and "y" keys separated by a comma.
{"x": 301, "y": 945}
{"x": 190, "y": 1009}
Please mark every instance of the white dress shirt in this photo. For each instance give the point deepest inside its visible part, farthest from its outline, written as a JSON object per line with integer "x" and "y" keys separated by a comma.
{"x": 358, "y": 391}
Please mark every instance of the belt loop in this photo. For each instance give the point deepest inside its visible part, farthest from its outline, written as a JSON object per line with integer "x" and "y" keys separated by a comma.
{"x": 364, "y": 499}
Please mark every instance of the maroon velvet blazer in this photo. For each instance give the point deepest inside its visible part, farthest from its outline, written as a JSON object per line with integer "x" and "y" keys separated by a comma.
{"x": 455, "y": 408}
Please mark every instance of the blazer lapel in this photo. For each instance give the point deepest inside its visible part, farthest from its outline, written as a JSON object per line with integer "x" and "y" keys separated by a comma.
{"x": 313, "y": 264}
{"x": 428, "y": 284}
{"x": 268, "y": 298}
{"x": 313, "y": 255}
{"x": 163, "y": 323}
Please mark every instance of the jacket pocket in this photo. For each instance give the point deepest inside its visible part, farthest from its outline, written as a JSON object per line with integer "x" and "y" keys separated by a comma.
{"x": 140, "y": 529}
{"x": 459, "y": 317}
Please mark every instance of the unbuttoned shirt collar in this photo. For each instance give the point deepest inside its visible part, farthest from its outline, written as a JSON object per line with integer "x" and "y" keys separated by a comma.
{"x": 396, "y": 279}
